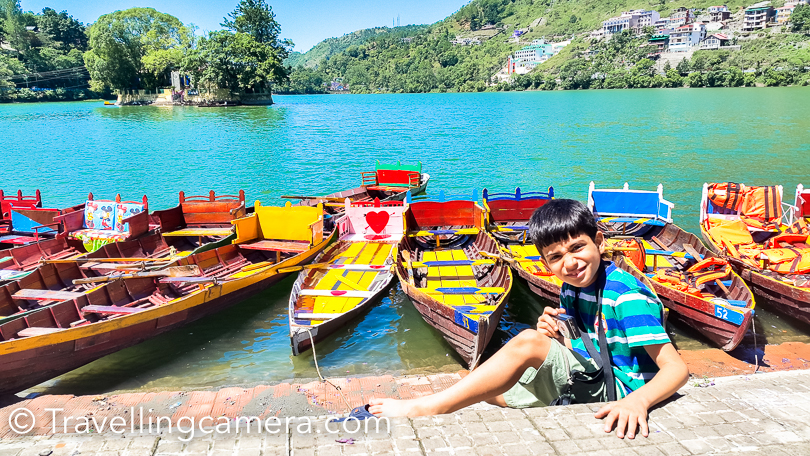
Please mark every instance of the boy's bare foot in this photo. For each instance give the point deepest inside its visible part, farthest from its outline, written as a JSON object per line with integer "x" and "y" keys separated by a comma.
{"x": 397, "y": 407}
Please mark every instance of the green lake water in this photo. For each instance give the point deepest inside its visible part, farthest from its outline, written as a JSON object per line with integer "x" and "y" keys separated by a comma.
{"x": 319, "y": 144}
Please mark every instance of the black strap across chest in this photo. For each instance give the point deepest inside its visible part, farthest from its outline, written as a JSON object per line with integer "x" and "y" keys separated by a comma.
{"x": 601, "y": 357}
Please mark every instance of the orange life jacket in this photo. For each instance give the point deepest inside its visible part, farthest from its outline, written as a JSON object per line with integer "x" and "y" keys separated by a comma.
{"x": 727, "y": 195}
{"x": 708, "y": 270}
{"x": 789, "y": 238}
{"x": 761, "y": 207}
{"x": 675, "y": 279}
{"x": 800, "y": 264}
{"x": 798, "y": 227}
{"x": 637, "y": 256}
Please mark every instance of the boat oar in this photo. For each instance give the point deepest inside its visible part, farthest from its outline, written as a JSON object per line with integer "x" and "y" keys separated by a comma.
{"x": 111, "y": 260}
{"x": 175, "y": 271}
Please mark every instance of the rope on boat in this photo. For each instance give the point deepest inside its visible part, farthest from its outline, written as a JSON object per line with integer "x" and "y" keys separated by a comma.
{"x": 318, "y": 370}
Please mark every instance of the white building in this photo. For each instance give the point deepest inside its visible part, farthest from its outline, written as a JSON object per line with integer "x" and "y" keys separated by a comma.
{"x": 634, "y": 20}
{"x": 686, "y": 37}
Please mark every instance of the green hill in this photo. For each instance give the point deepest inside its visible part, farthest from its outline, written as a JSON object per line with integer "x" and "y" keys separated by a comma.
{"x": 332, "y": 46}
{"x": 425, "y": 60}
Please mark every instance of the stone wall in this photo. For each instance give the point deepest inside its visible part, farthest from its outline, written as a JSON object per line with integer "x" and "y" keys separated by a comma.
{"x": 163, "y": 97}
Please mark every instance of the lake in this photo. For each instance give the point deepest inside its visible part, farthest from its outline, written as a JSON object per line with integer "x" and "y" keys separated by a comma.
{"x": 317, "y": 144}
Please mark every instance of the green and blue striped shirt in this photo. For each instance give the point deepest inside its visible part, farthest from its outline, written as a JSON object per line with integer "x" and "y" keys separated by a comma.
{"x": 633, "y": 316}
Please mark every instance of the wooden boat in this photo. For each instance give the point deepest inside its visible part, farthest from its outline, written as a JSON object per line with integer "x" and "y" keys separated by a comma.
{"x": 21, "y": 261}
{"x": 24, "y": 221}
{"x": 72, "y": 332}
{"x": 457, "y": 289}
{"x": 388, "y": 182}
{"x": 349, "y": 276}
{"x": 507, "y": 220}
{"x": 787, "y": 293}
{"x": 200, "y": 220}
{"x": 721, "y": 310}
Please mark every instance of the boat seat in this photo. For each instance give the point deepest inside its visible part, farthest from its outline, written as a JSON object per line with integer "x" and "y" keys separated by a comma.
{"x": 440, "y": 232}
{"x": 467, "y": 290}
{"x": 338, "y": 293}
{"x": 639, "y": 221}
{"x": 111, "y": 310}
{"x": 277, "y": 246}
{"x": 200, "y": 232}
{"x": 20, "y": 240}
{"x": 45, "y": 295}
{"x": 430, "y": 264}
{"x": 315, "y": 316}
{"x": 34, "y": 331}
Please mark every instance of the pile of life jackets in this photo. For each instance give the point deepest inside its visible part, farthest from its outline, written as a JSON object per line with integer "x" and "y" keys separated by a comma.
{"x": 759, "y": 207}
{"x": 786, "y": 253}
{"x": 691, "y": 281}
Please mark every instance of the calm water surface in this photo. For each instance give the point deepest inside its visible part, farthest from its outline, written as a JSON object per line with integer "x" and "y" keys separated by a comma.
{"x": 318, "y": 144}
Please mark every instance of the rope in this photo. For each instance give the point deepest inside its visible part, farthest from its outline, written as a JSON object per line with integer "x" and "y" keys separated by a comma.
{"x": 318, "y": 370}
{"x": 756, "y": 358}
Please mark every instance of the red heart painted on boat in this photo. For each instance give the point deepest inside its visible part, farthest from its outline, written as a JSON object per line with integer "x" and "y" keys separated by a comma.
{"x": 338, "y": 292}
{"x": 377, "y": 220}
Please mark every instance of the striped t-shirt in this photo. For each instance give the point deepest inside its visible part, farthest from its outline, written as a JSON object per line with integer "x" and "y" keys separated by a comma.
{"x": 633, "y": 316}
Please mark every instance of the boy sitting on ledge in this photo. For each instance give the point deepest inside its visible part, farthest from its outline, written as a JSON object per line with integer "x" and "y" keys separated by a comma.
{"x": 531, "y": 369}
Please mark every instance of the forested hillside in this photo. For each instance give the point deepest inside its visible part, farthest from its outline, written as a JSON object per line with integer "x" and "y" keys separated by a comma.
{"x": 427, "y": 61}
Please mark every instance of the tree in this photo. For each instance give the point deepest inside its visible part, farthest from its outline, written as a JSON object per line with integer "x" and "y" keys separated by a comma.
{"x": 14, "y": 25}
{"x": 256, "y": 18}
{"x": 134, "y": 48}
{"x": 234, "y": 61}
{"x": 63, "y": 29}
{"x": 801, "y": 18}
{"x": 683, "y": 68}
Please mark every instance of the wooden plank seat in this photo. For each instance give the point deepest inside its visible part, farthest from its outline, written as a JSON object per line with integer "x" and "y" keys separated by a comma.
{"x": 111, "y": 310}
{"x": 640, "y": 221}
{"x": 467, "y": 290}
{"x": 355, "y": 267}
{"x": 45, "y": 295}
{"x": 498, "y": 228}
{"x": 430, "y": 264}
{"x": 338, "y": 293}
{"x": 441, "y": 232}
{"x": 200, "y": 232}
{"x": 277, "y": 246}
{"x": 316, "y": 316}
{"x": 35, "y": 331}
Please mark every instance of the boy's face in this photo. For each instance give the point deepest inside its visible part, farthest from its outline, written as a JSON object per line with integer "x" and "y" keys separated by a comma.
{"x": 575, "y": 261}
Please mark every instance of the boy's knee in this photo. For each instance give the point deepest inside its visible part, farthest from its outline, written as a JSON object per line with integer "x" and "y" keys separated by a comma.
{"x": 531, "y": 340}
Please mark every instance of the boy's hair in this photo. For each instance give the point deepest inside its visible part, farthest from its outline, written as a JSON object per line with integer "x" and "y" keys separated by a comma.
{"x": 561, "y": 219}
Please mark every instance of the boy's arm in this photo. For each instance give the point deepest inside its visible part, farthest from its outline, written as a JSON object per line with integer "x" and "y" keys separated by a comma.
{"x": 631, "y": 412}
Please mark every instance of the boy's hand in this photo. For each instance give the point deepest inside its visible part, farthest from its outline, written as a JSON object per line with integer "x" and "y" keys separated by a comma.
{"x": 627, "y": 414}
{"x": 547, "y": 324}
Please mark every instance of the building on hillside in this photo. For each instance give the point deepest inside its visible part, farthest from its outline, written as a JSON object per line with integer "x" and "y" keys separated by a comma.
{"x": 686, "y": 37}
{"x": 715, "y": 41}
{"x": 719, "y": 13}
{"x": 525, "y": 59}
{"x": 634, "y": 20}
{"x": 783, "y": 13}
{"x": 459, "y": 41}
{"x": 534, "y": 51}
{"x": 681, "y": 16}
{"x": 660, "y": 42}
{"x": 598, "y": 34}
{"x": 662, "y": 26}
{"x": 758, "y": 16}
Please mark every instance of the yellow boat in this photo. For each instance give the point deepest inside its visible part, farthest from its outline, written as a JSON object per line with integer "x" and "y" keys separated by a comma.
{"x": 349, "y": 276}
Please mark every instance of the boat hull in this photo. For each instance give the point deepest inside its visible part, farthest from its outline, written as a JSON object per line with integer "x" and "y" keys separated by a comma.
{"x": 26, "y": 362}
{"x": 696, "y": 313}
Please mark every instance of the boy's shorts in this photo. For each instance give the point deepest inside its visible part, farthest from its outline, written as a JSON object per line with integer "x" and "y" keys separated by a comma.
{"x": 538, "y": 387}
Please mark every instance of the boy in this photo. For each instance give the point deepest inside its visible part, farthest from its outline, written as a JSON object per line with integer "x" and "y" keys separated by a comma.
{"x": 530, "y": 370}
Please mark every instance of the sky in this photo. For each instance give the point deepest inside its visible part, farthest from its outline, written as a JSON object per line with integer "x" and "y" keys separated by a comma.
{"x": 305, "y": 22}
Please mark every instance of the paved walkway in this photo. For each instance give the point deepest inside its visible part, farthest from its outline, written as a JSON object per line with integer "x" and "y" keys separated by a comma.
{"x": 756, "y": 414}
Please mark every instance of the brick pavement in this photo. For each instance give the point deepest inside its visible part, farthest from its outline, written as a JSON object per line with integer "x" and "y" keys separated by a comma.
{"x": 764, "y": 414}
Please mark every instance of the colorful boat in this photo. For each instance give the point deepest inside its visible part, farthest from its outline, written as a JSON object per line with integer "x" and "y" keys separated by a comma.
{"x": 349, "y": 276}
{"x": 507, "y": 220}
{"x": 768, "y": 249}
{"x": 801, "y": 209}
{"x": 200, "y": 220}
{"x": 21, "y": 261}
{"x": 700, "y": 289}
{"x": 388, "y": 182}
{"x": 24, "y": 221}
{"x": 446, "y": 268}
{"x": 122, "y": 313}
